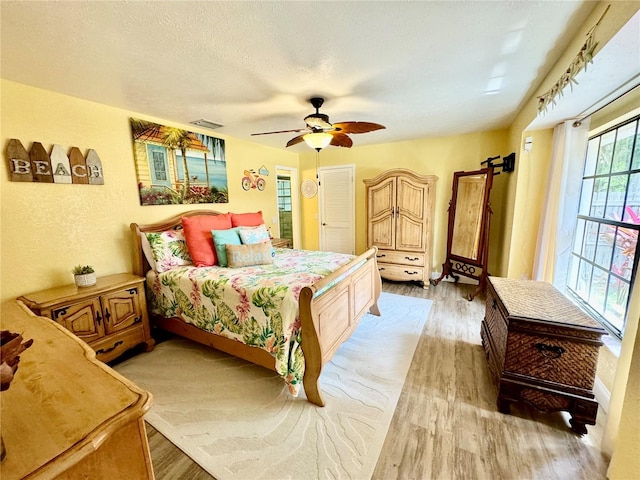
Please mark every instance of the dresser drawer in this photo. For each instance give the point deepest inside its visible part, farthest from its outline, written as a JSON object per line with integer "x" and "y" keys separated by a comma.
{"x": 401, "y": 258}
{"x": 400, "y": 273}
{"x": 552, "y": 359}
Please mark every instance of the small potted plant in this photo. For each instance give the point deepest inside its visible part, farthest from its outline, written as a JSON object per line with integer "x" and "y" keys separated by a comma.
{"x": 85, "y": 275}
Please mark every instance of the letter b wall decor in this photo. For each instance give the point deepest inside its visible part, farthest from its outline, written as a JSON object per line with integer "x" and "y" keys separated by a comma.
{"x": 57, "y": 167}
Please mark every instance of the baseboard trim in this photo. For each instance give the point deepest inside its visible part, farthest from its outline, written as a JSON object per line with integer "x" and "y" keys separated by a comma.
{"x": 603, "y": 395}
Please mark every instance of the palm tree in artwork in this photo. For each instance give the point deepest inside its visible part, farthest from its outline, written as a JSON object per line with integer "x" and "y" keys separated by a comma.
{"x": 174, "y": 139}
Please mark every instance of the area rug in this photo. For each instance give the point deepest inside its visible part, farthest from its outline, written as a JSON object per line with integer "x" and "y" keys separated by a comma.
{"x": 238, "y": 421}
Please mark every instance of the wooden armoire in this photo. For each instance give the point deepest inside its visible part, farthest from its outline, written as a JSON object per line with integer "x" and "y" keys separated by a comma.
{"x": 400, "y": 207}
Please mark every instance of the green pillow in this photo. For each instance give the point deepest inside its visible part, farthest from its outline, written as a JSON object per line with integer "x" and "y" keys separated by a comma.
{"x": 222, "y": 238}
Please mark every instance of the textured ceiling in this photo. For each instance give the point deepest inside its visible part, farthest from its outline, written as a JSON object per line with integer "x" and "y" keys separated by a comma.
{"x": 423, "y": 69}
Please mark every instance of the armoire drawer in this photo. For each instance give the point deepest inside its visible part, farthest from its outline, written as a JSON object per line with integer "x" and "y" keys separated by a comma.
{"x": 400, "y": 273}
{"x": 401, "y": 258}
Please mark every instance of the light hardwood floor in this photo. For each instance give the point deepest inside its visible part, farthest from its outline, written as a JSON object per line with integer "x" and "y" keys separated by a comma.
{"x": 446, "y": 424}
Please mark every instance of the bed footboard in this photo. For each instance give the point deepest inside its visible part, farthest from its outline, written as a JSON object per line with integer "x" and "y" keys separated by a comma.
{"x": 329, "y": 312}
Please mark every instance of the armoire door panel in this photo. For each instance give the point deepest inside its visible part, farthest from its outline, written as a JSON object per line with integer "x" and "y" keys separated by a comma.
{"x": 381, "y": 233}
{"x": 411, "y": 199}
{"x": 382, "y": 199}
{"x": 410, "y": 234}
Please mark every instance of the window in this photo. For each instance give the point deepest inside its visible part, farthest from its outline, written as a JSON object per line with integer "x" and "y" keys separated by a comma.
{"x": 285, "y": 213}
{"x": 284, "y": 194}
{"x": 159, "y": 166}
{"x": 604, "y": 258}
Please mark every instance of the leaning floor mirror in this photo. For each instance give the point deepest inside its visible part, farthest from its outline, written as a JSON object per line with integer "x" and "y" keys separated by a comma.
{"x": 468, "y": 235}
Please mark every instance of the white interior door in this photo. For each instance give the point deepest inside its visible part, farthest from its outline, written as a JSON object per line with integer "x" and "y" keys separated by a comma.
{"x": 336, "y": 206}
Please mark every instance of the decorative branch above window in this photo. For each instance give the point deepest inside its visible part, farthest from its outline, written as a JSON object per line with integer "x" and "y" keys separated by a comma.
{"x": 584, "y": 57}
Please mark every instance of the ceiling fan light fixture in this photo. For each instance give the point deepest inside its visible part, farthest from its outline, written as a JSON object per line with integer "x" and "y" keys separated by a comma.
{"x": 317, "y": 140}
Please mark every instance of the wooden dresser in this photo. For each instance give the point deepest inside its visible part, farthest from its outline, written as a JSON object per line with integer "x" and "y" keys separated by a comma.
{"x": 541, "y": 349}
{"x": 67, "y": 415}
{"x": 400, "y": 223}
{"x": 110, "y": 316}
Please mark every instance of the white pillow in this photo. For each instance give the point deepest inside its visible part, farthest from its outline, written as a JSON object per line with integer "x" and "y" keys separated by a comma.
{"x": 251, "y": 235}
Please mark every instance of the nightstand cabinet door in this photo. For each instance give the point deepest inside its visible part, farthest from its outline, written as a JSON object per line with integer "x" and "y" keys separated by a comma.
{"x": 84, "y": 319}
{"x": 121, "y": 309}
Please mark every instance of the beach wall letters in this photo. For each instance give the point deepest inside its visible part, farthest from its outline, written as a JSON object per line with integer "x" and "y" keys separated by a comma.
{"x": 57, "y": 167}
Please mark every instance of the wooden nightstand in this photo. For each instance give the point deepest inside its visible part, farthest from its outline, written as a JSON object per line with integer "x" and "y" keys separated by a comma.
{"x": 110, "y": 316}
{"x": 281, "y": 242}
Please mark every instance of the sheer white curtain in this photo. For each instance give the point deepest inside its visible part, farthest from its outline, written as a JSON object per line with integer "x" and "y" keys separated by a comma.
{"x": 558, "y": 219}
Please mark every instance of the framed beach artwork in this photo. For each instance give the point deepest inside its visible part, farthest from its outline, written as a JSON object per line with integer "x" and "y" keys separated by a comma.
{"x": 175, "y": 166}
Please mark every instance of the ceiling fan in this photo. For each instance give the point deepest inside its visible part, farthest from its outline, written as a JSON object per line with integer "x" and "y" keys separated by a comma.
{"x": 319, "y": 132}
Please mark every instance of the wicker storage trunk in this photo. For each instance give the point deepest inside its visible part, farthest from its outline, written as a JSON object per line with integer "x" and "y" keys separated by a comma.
{"x": 541, "y": 348}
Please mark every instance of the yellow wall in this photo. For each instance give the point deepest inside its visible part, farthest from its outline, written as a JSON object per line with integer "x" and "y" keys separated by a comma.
{"x": 48, "y": 228}
{"x": 532, "y": 177}
{"x": 433, "y": 156}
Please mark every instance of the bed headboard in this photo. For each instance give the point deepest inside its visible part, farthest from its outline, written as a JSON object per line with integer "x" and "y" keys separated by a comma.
{"x": 140, "y": 264}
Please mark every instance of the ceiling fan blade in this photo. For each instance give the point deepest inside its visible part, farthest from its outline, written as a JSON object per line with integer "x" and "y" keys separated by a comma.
{"x": 295, "y": 140}
{"x": 357, "y": 127}
{"x": 340, "y": 140}
{"x": 282, "y": 131}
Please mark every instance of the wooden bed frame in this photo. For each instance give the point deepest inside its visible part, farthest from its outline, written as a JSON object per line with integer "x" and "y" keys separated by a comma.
{"x": 327, "y": 320}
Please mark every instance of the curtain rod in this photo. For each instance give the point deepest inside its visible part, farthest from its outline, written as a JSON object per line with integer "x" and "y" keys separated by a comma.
{"x": 593, "y": 109}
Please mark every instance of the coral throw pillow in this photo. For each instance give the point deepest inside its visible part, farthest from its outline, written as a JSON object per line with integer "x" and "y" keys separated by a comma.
{"x": 197, "y": 232}
{"x": 246, "y": 219}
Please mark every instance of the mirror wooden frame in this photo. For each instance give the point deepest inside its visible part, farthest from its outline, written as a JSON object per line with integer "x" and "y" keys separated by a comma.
{"x": 468, "y": 229}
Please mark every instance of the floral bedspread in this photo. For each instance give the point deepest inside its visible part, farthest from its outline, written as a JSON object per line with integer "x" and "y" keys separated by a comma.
{"x": 255, "y": 305}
